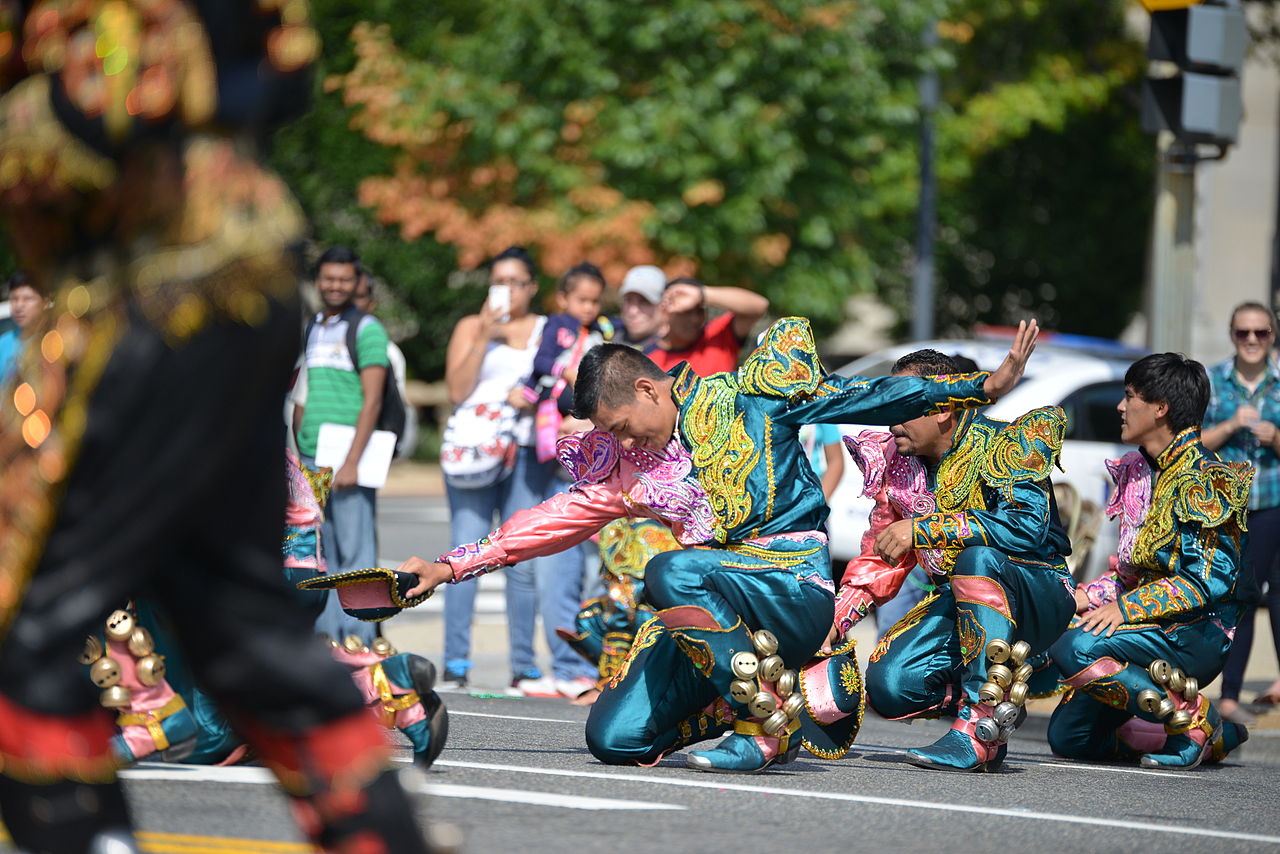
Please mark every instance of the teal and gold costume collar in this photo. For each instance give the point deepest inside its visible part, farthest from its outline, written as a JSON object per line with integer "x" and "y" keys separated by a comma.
{"x": 1181, "y": 443}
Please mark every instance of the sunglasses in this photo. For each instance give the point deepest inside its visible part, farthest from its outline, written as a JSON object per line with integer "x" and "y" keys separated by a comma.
{"x": 1243, "y": 334}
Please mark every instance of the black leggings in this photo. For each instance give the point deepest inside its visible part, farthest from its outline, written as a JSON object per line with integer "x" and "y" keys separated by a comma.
{"x": 1261, "y": 566}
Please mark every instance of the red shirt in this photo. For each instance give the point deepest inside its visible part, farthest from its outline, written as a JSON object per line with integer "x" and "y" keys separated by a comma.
{"x": 715, "y": 352}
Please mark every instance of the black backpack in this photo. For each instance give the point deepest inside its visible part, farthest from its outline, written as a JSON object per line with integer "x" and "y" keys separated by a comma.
{"x": 393, "y": 416}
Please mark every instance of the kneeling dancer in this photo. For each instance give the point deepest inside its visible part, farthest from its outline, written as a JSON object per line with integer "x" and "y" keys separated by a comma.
{"x": 1159, "y": 624}
{"x": 968, "y": 498}
{"x": 750, "y": 598}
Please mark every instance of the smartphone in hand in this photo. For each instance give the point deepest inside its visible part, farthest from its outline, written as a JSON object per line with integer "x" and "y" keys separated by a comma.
{"x": 500, "y": 301}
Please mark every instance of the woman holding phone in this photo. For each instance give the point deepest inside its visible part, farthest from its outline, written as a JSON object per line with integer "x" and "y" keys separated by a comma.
{"x": 488, "y": 457}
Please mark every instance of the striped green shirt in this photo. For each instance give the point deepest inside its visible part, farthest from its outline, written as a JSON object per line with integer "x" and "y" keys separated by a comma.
{"x": 334, "y": 395}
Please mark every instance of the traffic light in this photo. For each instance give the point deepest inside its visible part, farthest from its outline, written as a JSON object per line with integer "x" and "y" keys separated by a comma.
{"x": 1201, "y": 101}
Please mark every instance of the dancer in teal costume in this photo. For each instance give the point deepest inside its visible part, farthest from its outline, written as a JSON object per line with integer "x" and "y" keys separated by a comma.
{"x": 969, "y": 499}
{"x": 1159, "y": 624}
{"x": 718, "y": 460}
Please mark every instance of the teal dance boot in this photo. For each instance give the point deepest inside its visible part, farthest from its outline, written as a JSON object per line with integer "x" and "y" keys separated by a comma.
{"x": 748, "y": 750}
{"x": 1189, "y": 743}
{"x": 1232, "y": 736}
{"x": 407, "y": 702}
{"x": 972, "y": 744}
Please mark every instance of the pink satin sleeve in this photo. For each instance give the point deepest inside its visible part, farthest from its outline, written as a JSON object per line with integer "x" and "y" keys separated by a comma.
{"x": 868, "y": 581}
{"x": 559, "y": 523}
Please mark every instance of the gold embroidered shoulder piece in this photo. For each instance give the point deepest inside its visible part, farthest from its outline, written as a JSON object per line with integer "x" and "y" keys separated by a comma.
{"x": 1210, "y": 493}
{"x": 1026, "y": 450}
{"x": 786, "y": 363}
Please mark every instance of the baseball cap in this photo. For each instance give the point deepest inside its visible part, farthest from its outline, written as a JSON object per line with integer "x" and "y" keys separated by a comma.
{"x": 646, "y": 280}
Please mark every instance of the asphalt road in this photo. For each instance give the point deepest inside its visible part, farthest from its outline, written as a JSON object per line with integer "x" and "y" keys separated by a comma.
{"x": 516, "y": 776}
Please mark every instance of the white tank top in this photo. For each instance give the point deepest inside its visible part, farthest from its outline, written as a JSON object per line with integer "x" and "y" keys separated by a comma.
{"x": 502, "y": 367}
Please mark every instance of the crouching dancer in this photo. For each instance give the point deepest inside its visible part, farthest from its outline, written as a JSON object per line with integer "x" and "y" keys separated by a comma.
{"x": 968, "y": 498}
{"x": 1158, "y": 625}
{"x": 717, "y": 459}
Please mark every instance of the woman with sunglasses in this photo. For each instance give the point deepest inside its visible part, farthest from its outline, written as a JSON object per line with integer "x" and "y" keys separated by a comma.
{"x": 1241, "y": 424}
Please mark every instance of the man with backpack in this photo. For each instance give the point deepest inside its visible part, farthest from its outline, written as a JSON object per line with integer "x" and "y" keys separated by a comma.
{"x": 345, "y": 385}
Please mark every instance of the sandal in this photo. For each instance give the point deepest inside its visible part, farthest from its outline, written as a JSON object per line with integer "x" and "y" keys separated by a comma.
{"x": 1271, "y": 698}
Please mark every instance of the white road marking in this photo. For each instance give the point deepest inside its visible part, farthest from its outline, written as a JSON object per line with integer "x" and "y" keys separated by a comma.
{"x": 261, "y": 776}
{"x": 1182, "y": 830}
{"x": 1074, "y": 766}
{"x": 541, "y": 799}
{"x": 514, "y": 718}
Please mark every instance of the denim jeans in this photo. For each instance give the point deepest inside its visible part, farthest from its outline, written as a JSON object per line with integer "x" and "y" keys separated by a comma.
{"x": 473, "y": 513}
{"x": 349, "y": 540}
{"x": 559, "y": 583}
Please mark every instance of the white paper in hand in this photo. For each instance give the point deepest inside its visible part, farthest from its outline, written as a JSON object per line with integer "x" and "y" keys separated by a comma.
{"x": 334, "y": 441}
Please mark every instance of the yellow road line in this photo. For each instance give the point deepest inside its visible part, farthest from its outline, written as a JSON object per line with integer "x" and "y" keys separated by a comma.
{"x": 155, "y": 842}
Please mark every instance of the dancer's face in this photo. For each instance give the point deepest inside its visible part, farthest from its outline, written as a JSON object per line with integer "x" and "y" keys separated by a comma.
{"x": 648, "y": 422}
{"x": 1139, "y": 418}
{"x": 928, "y": 436}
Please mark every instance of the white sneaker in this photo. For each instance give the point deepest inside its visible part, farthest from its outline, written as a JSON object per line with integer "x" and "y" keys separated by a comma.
{"x": 574, "y": 688}
{"x": 540, "y": 687}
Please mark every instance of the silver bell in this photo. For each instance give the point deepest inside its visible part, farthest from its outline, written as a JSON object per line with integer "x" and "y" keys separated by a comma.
{"x": 1149, "y": 700}
{"x": 745, "y": 665}
{"x": 765, "y": 642}
{"x": 776, "y": 724}
{"x": 1005, "y": 733}
{"x": 986, "y": 730}
{"x": 1177, "y": 681}
{"x": 1180, "y": 719}
{"x": 742, "y": 690}
{"x": 1160, "y": 671}
{"x": 786, "y": 684}
{"x": 771, "y": 668}
{"x": 1005, "y": 714}
{"x": 1192, "y": 689}
{"x": 1165, "y": 708}
{"x": 762, "y": 705}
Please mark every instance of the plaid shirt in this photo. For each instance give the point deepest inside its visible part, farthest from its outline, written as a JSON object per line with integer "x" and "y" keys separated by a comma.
{"x": 1228, "y": 396}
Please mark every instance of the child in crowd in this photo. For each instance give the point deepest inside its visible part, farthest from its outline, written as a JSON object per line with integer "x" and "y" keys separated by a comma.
{"x": 575, "y": 329}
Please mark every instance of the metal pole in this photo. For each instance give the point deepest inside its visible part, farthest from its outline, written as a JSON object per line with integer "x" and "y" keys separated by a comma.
{"x": 1173, "y": 261}
{"x": 922, "y": 290}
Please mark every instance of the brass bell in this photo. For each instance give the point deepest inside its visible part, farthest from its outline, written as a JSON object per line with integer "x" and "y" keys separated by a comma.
{"x": 1018, "y": 693}
{"x": 352, "y": 644}
{"x": 383, "y": 647}
{"x": 141, "y": 642}
{"x": 1179, "y": 719}
{"x": 1160, "y": 671}
{"x": 786, "y": 684}
{"x": 793, "y": 706}
{"x": 1023, "y": 673}
{"x": 1000, "y": 675}
{"x": 93, "y": 650}
{"x": 998, "y": 651}
{"x": 1005, "y": 714}
{"x": 1019, "y": 651}
{"x": 771, "y": 668}
{"x": 990, "y": 693}
{"x": 742, "y": 691}
{"x": 119, "y": 625}
{"x": 765, "y": 642}
{"x": 1192, "y": 689}
{"x": 1165, "y": 708}
{"x": 105, "y": 672}
{"x": 762, "y": 705}
{"x": 115, "y": 697}
{"x": 1149, "y": 701}
{"x": 776, "y": 724}
{"x": 151, "y": 670}
{"x": 745, "y": 665}
{"x": 1177, "y": 681}
{"x": 986, "y": 730}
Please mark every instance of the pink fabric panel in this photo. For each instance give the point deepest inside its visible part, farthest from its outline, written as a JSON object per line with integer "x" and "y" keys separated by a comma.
{"x": 982, "y": 590}
{"x": 1100, "y": 669}
{"x": 1142, "y": 735}
{"x": 816, "y": 680}
{"x": 688, "y": 617}
{"x": 369, "y": 594}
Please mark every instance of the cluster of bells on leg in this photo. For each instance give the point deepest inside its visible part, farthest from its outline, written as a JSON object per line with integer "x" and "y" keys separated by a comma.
{"x": 354, "y": 645}
{"x": 1163, "y": 706}
{"x": 766, "y": 666}
{"x": 104, "y": 671}
{"x": 1005, "y": 690}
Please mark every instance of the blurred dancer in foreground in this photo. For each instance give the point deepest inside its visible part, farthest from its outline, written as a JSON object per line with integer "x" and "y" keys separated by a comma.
{"x": 140, "y": 453}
